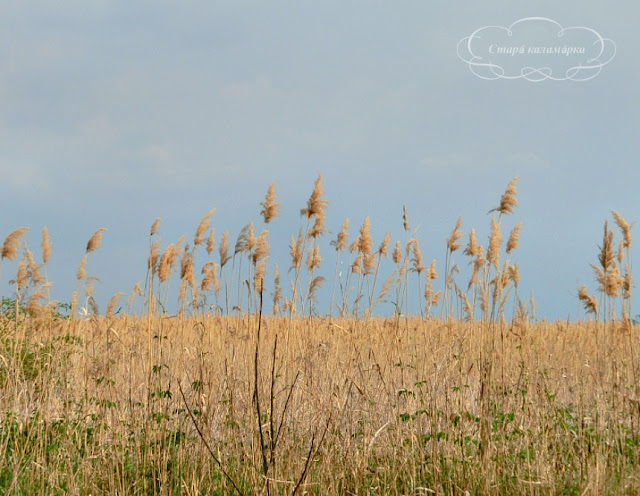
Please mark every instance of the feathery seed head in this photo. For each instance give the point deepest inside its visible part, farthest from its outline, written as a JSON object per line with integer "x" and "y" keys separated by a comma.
{"x": 589, "y": 301}
{"x": 295, "y": 250}
{"x": 223, "y": 250}
{"x": 12, "y": 242}
{"x": 340, "y": 243}
{"x": 46, "y": 246}
{"x": 318, "y": 226}
{"x": 364, "y": 240}
{"x": 606, "y": 256}
{"x": 514, "y": 238}
{"x": 155, "y": 226}
{"x": 258, "y": 278}
{"x": 493, "y": 253}
{"x": 81, "y": 272}
{"x": 261, "y": 250}
{"x": 624, "y": 227}
{"x": 472, "y": 248}
{"x": 452, "y": 242}
{"x": 205, "y": 223}
{"x": 431, "y": 273}
{"x": 211, "y": 241}
{"x": 270, "y": 207}
{"x": 397, "y": 253}
{"x": 508, "y": 201}
{"x": 382, "y": 249}
{"x": 112, "y": 304}
{"x": 416, "y": 261}
{"x": 356, "y": 266}
{"x": 316, "y": 204}
{"x": 94, "y": 241}
{"x": 405, "y": 219}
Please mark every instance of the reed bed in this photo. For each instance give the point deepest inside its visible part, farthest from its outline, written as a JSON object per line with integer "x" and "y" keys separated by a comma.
{"x": 247, "y": 388}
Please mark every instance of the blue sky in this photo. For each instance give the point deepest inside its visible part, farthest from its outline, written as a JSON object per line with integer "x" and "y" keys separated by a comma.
{"x": 113, "y": 114}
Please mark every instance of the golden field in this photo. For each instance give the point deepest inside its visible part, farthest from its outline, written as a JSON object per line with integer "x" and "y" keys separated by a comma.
{"x": 248, "y": 389}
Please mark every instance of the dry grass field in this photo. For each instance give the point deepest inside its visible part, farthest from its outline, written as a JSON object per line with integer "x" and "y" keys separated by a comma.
{"x": 248, "y": 389}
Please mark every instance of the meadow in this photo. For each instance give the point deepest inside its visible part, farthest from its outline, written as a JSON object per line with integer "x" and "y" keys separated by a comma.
{"x": 247, "y": 388}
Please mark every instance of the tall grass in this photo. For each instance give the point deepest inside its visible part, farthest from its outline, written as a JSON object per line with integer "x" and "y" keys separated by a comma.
{"x": 232, "y": 395}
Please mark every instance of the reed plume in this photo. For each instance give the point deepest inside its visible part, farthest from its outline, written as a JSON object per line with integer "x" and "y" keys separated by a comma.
{"x": 369, "y": 263}
{"x": 245, "y": 239}
{"x": 493, "y": 252}
{"x": 627, "y": 283}
{"x": 135, "y": 291}
{"x": 81, "y": 274}
{"x": 625, "y": 227}
{"x": 397, "y": 253}
{"x": 270, "y": 208}
{"x": 590, "y": 302}
{"x": 452, "y": 246}
{"x": 340, "y": 243}
{"x": 186, "y": 268}
{"x": 209, "y": 280}
{"x": 34, "y": 305}
{"x": 258, "y": 278}
{"x": 204, "y": 225}
{"x": 472, "y": 247}
{"x": 33, "y": 268}
{"x": 89, "y": 286}
{"x": 112, "y": 305}
{"x": 416, "y": 260}
{"x": 382, "y": 249}
{"x": 277, "y": 293}
{"x": 94, "y": 241}
{"x": 166, "y": 262}
{"x": 508, "y": 200}
{"x": 436, "y": 298}
{"x": 316, "y": 283}
{"x": 417, "y": 267}
{"x": 514, "y": 238}
{"x": 211, "y": 241}
{"x": 513, "y": 274}
{"x": 223, "y": 250}
{"x": 477, "y": 265}
{"x": 12, "y": 243}
{"x": 313, "y": 258}
{"x": 386, "y": 287}
{"x": 295, "y": 250}
{"x": 431, "y": 273}
{"x": 614, "y": 282}
{"x": 355, "y": 245}
{"x": 261, "y": 248}
{"x": 356, "y": 266}
{"x": 22, "y": 276}
{"x": 364, "y": 239}
{"x": 452, "y": 242}
{"x": 46, "y": 246}
{"x": 405, "y": 219}
{"x": 621, "y": 251}
{"x": 316, "y": 204}
{"x": 154, "y": 227}
{"x": 152, "y": 261}
{"x": 318, "y": 226}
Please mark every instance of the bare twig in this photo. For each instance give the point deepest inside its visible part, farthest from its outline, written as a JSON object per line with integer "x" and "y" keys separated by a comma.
{"x": 265, "y": 464}
{"x": 206, "y": 444}
{"x": 284, "y": 410}
{"x": 311, "y": 455}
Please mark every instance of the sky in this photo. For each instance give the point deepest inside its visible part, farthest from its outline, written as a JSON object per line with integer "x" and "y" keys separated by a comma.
{"x": 113, "y": 114}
